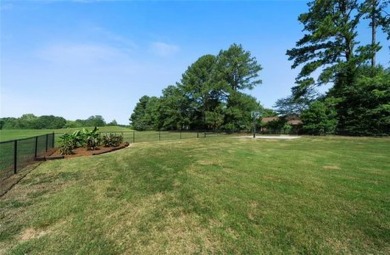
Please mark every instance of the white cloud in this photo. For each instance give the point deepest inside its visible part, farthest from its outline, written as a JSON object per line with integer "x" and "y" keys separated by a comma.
{"x": 163, "y": 49}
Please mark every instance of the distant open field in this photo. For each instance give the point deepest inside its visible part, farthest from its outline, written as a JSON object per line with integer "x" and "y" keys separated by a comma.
{"x": 313, "y": 195}
{"x": 11, "y": 134}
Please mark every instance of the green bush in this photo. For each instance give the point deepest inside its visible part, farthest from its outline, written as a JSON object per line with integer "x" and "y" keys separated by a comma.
{"x": 112, "y": 140}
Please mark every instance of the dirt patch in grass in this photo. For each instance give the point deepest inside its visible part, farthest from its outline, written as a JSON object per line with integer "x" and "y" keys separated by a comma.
{"x": 31, "y": 233}
{"x": 331, "y": 167}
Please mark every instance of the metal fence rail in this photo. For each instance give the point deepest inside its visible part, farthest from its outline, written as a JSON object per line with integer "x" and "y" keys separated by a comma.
{"x": 17, "y": 154}
{"x": 133, "y": 136}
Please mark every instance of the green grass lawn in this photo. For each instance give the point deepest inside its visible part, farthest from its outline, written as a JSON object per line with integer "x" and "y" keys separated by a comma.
{"x": 207, "y": 196}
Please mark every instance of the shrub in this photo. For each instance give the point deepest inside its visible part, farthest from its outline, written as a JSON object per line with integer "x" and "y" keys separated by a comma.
{"x": 112, "y": 140}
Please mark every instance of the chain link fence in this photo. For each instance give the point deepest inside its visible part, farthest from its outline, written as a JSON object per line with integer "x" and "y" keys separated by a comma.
{"x": 17, "y": 154}
{"x": 133, "y": 136}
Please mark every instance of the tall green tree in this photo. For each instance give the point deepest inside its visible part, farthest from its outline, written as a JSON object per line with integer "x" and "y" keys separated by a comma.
{"x": 152, "y": 113}
{"x": 112, "y": 123}
{"x": 364, "y": 108}
{"x": 330, "y": 43}
{"x": 385, "y": 20}
{"x": 375, "y": 11}
{"x": 320, "y": 118}
{"x": 10, "y": 123}
{"x": 28, "y": 120}
{"x": 95, "y": 121}
{"x": 203, "y": 90}
{"x": 146, "y": 114}
{"x": 239, "y": 71}
{"x": 50, "y": 122}
{"x": 214, "y": 119}
{"x": 238, "y": 68}
{"x": 210, "y": 95}
{"x": 137, "y": 117}
{"x": 238, "y": 112}
{"x": 175, "y": 110}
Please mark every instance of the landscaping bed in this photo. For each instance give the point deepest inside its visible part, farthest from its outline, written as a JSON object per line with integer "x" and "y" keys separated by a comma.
{"x": 82, "y": 151}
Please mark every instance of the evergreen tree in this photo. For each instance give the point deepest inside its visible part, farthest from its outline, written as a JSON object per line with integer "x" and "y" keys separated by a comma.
{"x": 375, "y": 11}
{"x": 202, "y": 89}
{"x": 364, "y": 108}
{"x": 330, "y": 43}
{"x": 137, "y": 117}
{"x": 320, "y": 118}
{"x": 238, "y": 68}
{"x": 175, "y": 111}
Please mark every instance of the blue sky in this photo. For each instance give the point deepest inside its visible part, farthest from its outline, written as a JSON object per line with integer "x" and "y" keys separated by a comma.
{"x": 84, "y": 57}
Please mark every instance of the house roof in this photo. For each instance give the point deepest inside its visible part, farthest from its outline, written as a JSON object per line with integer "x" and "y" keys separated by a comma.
{"x": 269, "y": 119}
{"x": 295, "y": 122}
{"x": 292, "y": 120}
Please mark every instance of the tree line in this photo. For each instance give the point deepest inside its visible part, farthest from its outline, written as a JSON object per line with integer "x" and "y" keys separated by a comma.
{"x": 209, "y": 96}
{"x": 30, "y": 121}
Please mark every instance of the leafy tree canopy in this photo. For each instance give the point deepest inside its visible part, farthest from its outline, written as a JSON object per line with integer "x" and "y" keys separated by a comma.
{"x": 208, "y": 96}
{"x": 30, "y": 121}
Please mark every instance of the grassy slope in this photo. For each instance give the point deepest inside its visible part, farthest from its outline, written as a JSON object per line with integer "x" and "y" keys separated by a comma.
{"x": 221, "y": 195}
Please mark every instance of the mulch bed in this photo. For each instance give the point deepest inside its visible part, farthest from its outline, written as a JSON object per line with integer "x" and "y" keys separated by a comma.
{"x": 82, "y": 152}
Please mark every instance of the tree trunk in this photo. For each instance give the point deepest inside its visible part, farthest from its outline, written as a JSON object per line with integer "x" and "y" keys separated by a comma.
{"x": 373, "y": 30}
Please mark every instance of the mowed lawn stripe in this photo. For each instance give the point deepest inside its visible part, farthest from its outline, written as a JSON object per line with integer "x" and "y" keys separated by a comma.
{"x": 219, "y": 196}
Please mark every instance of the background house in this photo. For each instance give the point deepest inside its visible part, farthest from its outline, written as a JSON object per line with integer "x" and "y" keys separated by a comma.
{"x": 291, "y": 124}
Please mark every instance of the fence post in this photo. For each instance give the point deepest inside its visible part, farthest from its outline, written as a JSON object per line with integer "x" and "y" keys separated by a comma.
{"x": 47, "y": 141}
{"x": 159, "y": 135}
{"x": 15, "y": 156}
{"x": 36, "y": 147}
{"x": 53, "y": 142}
{"x": 133, "y": 136}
